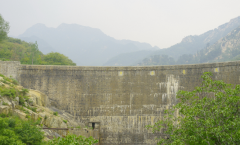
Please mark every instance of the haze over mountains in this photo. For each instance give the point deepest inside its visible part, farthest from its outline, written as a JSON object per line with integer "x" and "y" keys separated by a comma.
{"x": 84, "y": 45}
{"x": 188, "y": 45}
{"x": 91, "y": 47}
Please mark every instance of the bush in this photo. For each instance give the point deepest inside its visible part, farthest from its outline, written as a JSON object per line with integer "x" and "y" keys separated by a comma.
{"x": 21, "y": 100}
{"x": 210, "y": 114}
{"x": 24, "y": 91}
{"x": 19, "y": 132}
{"x": 8, "y": 92}
{"x": 34, "y": 109}
{"x": 65, "y": 121}
{"x": 73, "y": 140}
{"x": 29, "y": 133}
{"x": 55, "y": 113}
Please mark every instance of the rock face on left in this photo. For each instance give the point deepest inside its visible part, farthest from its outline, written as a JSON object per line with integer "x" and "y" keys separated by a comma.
{"x": 31, "y": 104}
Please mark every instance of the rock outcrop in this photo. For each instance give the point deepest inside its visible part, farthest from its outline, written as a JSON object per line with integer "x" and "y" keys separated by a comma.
{"x": 35, "y": 108}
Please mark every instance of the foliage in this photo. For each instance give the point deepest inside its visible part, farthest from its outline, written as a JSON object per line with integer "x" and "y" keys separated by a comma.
{"x": 19, "y": 132}
{"x": 12, "y": 49}
{"x": 3, "y": 103}
{"x": 21, "y": 100}
{"x": 12, "y": 92}
{"x": 55, "y": 58}
{"x": 12, "y": 80}
{"x": 24, "y": 91}
{"x": 34, "y": 109}
{"x": 55, "y": 113}
{"x": 9, "y": 92}
{"x": 73, "y": 140}
{"x": 4, "y": 28}
{"x": 9, "y": 80}
{"x": 207, "y": 115}
{"x": 65, "y": 121}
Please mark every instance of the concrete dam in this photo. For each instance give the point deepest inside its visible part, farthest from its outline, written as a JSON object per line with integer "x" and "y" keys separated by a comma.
{"x": 118, "y": 101}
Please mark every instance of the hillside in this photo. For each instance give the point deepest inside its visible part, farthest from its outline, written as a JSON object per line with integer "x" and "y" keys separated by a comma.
{"x": 188, "y": 46}
{"x": 225, "y": 49}
{"x": 84, "y": 45}
{"x": 28, "y": 53}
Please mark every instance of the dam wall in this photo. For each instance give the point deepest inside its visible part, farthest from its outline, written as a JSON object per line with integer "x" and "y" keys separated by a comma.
{"x": 120, "y": 101}
{"x": 10, "y": 68}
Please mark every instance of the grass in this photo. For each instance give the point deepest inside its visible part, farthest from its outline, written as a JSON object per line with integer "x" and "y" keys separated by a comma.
{"x": 28, "y": 116}
{"x": 55, "y": 113}
{"x": 15, "y": 82}
{"x": 10, "y": 80}
{"x": 8, "y": 92}
{"x": 24, "y": 91}
{"x": 5, "y": 103}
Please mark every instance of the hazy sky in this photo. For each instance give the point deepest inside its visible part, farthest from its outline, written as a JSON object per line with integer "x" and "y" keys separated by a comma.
{"x": 161, "y": 23}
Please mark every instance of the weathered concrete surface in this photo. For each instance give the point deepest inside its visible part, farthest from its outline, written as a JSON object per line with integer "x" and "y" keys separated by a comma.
{"x": 120, "y": 100}
{"x": 10, "y": 68}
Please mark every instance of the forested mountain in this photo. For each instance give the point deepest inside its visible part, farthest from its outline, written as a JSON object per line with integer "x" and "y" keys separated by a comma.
{"x": 84, "y": 45}
{"x": 225, "y": 49}
{"x": 188, "y": 46}
{"x": 12, "y": 49}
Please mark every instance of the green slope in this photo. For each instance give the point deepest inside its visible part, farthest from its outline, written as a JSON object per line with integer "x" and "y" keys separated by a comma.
{"x": 12, "y": 49}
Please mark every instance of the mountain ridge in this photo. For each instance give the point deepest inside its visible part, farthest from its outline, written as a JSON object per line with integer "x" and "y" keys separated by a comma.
{"x": 83, "y": 44}
{"x": 189, "y": 45}
{"x": 225, "y": 49}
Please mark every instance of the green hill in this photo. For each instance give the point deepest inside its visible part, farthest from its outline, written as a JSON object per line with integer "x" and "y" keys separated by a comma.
{"x": 12, "y": 49}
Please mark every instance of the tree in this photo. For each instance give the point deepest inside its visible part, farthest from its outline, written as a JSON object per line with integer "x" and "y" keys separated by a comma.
{"x": 34, "y": 51}
{"x": 14, "y": 131}
{"x": 4, "y": 28}
{"x": 209, "y": 115}
{"x": 55, "y": 58}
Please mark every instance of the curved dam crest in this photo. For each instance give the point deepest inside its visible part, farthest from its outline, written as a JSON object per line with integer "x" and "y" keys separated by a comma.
{"x": 117, "y": 101}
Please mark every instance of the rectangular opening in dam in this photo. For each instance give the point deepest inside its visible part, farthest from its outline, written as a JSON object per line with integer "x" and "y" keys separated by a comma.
{"x": 93, "y": 125}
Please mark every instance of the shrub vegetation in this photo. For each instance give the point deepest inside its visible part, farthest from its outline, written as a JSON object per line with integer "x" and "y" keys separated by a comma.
{"x": 209, "y": 115}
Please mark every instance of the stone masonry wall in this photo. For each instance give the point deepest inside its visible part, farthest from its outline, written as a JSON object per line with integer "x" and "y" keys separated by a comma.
{"x": 120, "y": 101}
{"x": 9, "y": 68}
